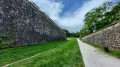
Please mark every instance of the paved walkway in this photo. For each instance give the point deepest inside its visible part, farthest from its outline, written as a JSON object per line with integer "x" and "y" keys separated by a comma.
{"x": 92, "y": 57}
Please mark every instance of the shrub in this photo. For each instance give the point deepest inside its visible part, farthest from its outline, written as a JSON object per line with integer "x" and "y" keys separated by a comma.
{"x": 10, "y": 44}
{"x": 0, "y": 40}
{"x": 3, "y": 40}
{"x": 4, "y": 37}
{"x": 3, "y": 45}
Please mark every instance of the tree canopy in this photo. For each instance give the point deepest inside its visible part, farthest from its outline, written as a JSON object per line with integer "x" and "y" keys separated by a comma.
{"x": 99, "y": 17}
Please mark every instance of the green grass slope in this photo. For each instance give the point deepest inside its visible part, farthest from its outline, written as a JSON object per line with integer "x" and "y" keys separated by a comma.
{"x": 55, "y": 54}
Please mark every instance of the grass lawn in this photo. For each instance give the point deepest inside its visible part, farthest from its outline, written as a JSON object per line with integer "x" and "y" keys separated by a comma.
{"x": 113, "y": 52}
{"x": 54, "y": 54}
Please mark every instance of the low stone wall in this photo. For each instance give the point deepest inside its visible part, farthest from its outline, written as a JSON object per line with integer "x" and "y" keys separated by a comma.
{"x": 25, "y": 24}
{"x": 108, "y": 36}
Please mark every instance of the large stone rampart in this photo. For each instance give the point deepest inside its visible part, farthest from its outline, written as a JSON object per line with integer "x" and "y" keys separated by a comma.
{"x": 25, "y": 24}
{"x": 108, "y": 36}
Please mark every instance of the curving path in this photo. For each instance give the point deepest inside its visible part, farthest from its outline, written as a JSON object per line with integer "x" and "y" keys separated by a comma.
{"x": 92, "y": 57}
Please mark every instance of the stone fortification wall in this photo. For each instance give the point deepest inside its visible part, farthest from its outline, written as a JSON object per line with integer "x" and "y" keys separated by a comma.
{"x": 25, "y": 24}
{"x": 108, "y": 36}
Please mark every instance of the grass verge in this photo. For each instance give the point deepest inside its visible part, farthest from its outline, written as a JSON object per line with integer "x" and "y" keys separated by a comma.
{"x": 55, "y": 54}
{"x": 113, "y": 52}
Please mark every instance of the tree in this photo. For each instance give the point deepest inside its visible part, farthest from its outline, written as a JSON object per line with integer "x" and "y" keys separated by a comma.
{"x": 67, "y": 32}
{"x": 99, "y": 17}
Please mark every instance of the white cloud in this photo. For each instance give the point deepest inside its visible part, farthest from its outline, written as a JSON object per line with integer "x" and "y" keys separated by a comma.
{"x": 73, "y": 21}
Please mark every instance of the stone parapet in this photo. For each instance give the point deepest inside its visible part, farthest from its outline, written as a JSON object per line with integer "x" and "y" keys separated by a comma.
{"x": 107, "y": 36}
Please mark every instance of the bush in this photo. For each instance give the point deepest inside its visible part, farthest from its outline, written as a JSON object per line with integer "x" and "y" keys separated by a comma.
{"x": 3, "y": 40}
{"x": 10, "y": 44}
{"x": 3, "y": 45}
{"x": 0, "y": 40}
{"x": 4, "y": 37}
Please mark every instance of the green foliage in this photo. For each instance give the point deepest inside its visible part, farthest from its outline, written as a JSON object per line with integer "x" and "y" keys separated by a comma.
{"x": 68, "y": 34}
{"x": 3, "y": 40}
{"x": 0, "y": 40}
{"x": 100, "y": 16}
{"x": 4, "y": 37}
{"x": 3, "y": 45}
{"x": 54, "y": 54}
{"x": 84, "y": 32}
{"x": 75, "y": 34}
{"x": 10, "y": 44}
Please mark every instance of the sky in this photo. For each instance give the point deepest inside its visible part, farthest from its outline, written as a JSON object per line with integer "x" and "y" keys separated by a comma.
{"x": 68, "y": 14}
